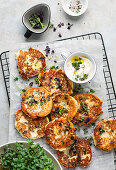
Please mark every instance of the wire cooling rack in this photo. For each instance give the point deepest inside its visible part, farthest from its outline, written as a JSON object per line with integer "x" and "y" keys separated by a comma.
{"x": 111, "y": 95}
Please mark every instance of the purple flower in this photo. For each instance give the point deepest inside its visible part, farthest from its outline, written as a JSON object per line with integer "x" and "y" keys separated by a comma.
{"x": 31, "y": 84}
{"x": 59, "y": 35}
{"x": 112, "y": 142}
{"x": 59, "y": 25}
{"x": 47, "y": 50}
{"x": 54, "y": 29}
{"x": 52, "y": 51}
{"x": 69, "y": 26}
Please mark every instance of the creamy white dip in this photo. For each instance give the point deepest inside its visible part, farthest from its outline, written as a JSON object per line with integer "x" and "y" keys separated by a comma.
{"x": 82, "y": 71}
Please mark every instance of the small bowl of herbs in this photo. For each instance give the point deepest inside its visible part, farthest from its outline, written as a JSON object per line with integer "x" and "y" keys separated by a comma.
{"x": 36, "y": 19}
{"x": 27, "y": 155}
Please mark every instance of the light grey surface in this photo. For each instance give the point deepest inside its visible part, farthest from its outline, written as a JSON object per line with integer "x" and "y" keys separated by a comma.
{"x": 100, "y": 16}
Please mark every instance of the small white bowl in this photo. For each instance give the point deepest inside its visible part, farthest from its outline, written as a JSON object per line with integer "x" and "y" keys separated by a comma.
{"x": 49, "y": 154}
{"x": 66, "y": 4}
{"x": 80, "y": 54}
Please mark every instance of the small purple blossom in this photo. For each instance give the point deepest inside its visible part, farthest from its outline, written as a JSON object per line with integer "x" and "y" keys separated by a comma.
{"x": 59, "y": 34}
{"x": 55, "y": 61}
{"x": 47, "y": 50}
{"x": 54, "y": 29}
{"x": 69, "y": 26}
{"x": 52, "y": 52}
{"x": 112, "y": 142}
{"x": 31, "y": 84}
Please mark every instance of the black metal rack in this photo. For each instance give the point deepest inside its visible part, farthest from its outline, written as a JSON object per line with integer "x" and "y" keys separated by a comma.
{"x": 111, "y": 95}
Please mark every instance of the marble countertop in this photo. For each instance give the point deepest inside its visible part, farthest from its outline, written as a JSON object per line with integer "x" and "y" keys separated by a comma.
{"x": 99, "y": 17}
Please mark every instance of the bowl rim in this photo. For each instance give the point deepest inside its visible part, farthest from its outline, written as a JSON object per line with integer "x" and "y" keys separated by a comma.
{"x": 42, "y": 4}
{"x": 14, "y": 142}
{"x": 78, "y": 14}
{"x": 90, "y": 58}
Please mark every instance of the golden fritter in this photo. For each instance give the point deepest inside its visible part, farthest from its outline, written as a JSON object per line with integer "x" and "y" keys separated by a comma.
{"x": 84, "y": 152}
{"x": 63, "y": 106}
{"x": 78, "y": 153}
{"x": 28, "y": 127}
{"x": 36, "y": 102}
{"x": 55, "y": 81}
{"x": 30, "y": 63}
{"x": 90, "y": 108}
{"x": 104, "y": 134}
{"x": 60, "y": 133}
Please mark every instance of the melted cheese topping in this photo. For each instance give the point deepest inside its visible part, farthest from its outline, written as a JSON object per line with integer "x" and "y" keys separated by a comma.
{"x": 34, "y": 133}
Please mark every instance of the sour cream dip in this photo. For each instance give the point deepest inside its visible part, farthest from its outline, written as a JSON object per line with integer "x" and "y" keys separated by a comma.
{"x": 80, "y": 68}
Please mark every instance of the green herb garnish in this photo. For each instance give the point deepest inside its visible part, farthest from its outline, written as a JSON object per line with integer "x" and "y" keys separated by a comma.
{"x": 84, "y": 77}
{"x": 102, "y": 131}
{"x": 63, "y": 142}
{"x": 54, "y": 68}
{"x": 36, "y": 22}
{"x": 77, "y": 89}
{"x": 37, "y": 80}
{"x": 60, "y": 112}
{"x": 26, "y": 158}
{"x": 23, "y": 90}
{"x": 15, "y": 78}
{"x": 91, "y": 91}
{"x": 51, "y": 25}
{"x": 98, "y": 142}
{"x": 82, "y": 118}
{"x": 84, "y": 107}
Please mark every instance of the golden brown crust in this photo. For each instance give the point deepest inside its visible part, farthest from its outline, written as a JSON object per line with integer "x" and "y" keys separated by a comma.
{"x": 90, "y": 108}
{"x": 77, "y": 153}
{"x": 60, "y": 133}
{"x": 28, "y": 127}
{"x": 36, "y": 102}
{"x": 84, "y": 152}
{"x": 104, "y": 134}
{"x": 55, "y": 81}
{"x": 63, "y": 106}
{"x": 30, "y": 63}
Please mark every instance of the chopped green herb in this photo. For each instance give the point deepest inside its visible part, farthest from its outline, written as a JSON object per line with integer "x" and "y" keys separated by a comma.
{"x": 41, "y": 103}
{"x": 98, "y": 142}
{"x": 102, "y": 131}
{"x": 51, "y": 25}
{"x": 82, "y": 118}
{"x": 23, "y": 90}
{"x": 84, "y": 77}
{"x": 84, "y": 107}
{"x": 76, "y": 59}
{"x": 77, "y": 11}
{"x": 54, "y": 68}
{"x": 60, "y": 112}
{"x": 21, "y": 157}
{"x": 91, "y": 91}
{"x": 77, "y": 89}
{"x": 63, "y": 142}
{"x": 36, "y": 21}
{"x": 15, "y": 78}
{"x": 37, "y": 80}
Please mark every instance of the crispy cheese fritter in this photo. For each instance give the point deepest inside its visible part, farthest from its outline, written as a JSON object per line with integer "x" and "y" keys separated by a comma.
{"x": 28, "y": 127}
{"x": 104, "y": 134}
{"x": 78, "y": 153}
{"x": 60, "y": 133}
{"x": 36, "y": 102}
{"x": 90, "y": 108}
{"x": 55, "y": 81}
{"x": 30, "y": 63}
{"x": 63, "y": 106}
